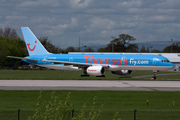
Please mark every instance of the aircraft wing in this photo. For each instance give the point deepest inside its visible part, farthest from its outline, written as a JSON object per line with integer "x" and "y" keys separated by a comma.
{"x": 23, "y": 58}
{"x": 74, "y": 63}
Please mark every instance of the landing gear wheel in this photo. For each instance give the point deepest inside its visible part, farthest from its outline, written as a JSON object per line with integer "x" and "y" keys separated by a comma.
{"x": 101, "y": 76}
{"x": 154, "y": 76}
{"x": 85, "y": 73}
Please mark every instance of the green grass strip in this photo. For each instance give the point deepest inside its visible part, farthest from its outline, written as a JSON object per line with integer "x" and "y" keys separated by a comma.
{"x": 76, "y": 75}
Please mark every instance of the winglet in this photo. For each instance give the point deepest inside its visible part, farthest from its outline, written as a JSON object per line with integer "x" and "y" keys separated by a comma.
{"x": 33, "y": 45}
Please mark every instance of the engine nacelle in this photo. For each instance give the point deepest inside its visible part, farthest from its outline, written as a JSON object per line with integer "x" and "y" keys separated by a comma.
{"x": 122, "y": 72}
{"x": 96, "y": 70}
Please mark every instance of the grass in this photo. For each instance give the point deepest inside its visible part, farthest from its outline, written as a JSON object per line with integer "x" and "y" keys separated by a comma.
{"x": 75, "y": 75}
{"x": 124, "y": 102}
{"x": 160, "y": 103}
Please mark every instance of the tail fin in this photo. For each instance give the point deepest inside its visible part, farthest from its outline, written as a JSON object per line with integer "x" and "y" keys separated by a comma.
{"x": 33, "y": 45}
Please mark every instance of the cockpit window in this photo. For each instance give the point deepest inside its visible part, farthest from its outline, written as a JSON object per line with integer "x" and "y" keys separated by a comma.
{"x": 165, "y": 61}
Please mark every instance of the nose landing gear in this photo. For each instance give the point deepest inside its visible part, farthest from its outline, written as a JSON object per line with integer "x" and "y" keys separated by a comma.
{"x": 154, "y": 75}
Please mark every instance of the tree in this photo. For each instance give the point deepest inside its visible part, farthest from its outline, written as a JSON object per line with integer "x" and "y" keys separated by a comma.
{"x": 108, "y": 48}
{"x": 122, "y": 41}
{"x": 78, "y": 49}
{"x": 147, "y": 49}
{"x": 101, "y": 50}
{"x": 121, "y": 44}
{"x": 48, "y": 45}
{"x": 69, "y": 49}
{"x": 11, "y": 47}
{"x": 132, "y": 48}
{"x": 143, "y": 49}
{"x": 175, "y": 48}
{"x": 1, "y": 32}
{"x": 60, "y": 50}
{"x": 155, "y": 51}
{"x": 9, "y": 33}
{"x": 88, "y": 50}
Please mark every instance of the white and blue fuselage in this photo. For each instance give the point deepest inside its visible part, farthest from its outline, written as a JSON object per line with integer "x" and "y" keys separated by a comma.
{"x": 93, "y": 64}
{"x": 114, "y": 62}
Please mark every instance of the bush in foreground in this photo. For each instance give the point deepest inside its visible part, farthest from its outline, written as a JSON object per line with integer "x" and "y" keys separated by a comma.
{"x": 55, "y": 109}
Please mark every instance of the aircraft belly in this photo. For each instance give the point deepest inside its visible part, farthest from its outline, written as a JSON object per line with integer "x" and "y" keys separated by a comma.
{"x": 160, "y": 68}
{"x": 60, "y": 67}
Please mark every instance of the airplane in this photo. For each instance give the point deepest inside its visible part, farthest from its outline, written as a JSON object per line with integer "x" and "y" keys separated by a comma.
{"x": 91, "y": 64}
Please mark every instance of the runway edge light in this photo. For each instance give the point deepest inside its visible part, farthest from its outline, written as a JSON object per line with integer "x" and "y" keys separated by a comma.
{"x": 173, "y": 103}
{"x": 147, "y": 101}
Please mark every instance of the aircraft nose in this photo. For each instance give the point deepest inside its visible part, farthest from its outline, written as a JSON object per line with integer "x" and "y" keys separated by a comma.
{"x": 172, "y": 65}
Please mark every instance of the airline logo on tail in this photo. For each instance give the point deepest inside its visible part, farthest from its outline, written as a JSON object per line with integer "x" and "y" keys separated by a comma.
{"x": 34, "y": 47}
{"x": 28, "y": 44}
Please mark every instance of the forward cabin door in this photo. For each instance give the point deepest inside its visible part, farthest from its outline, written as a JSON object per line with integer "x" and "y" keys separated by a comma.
{"x": 154, "y": 61}
{"x": 71, "y": 59}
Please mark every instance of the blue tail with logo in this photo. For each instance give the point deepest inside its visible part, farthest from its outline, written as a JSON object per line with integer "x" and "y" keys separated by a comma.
{"x": 33, "y": 45}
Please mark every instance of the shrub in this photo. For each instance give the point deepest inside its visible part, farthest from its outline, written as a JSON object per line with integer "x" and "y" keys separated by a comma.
{"x": 55, "y": 109}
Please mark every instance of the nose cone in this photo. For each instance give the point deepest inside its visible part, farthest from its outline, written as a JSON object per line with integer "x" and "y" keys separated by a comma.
{"x": 171, "y": 65}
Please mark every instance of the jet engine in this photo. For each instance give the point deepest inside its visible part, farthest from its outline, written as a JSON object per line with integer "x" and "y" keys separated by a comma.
{"x": 122, "y": 72}
{"x": 96, "y": 70}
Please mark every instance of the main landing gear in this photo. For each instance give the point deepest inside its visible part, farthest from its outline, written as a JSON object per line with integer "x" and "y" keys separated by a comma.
{"x": 101, "y": 76}
{"x": 154, "y": 75}
{"x": 85, "y": 73}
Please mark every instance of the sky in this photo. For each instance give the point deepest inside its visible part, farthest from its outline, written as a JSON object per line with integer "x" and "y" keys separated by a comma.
{"x": 94, "y": 21}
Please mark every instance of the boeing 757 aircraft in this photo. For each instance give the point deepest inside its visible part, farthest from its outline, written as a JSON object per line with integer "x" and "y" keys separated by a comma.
{"x": 92, "y": 64}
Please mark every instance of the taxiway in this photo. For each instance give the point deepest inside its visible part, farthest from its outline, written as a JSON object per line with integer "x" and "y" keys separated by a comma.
{"x": 90, "y": 85}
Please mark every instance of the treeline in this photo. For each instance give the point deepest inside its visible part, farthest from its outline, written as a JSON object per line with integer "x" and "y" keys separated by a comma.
{"x": 12, "y": 45}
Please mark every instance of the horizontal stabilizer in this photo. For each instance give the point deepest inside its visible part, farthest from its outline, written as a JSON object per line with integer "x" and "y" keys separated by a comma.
{"x": 22, "y": 58}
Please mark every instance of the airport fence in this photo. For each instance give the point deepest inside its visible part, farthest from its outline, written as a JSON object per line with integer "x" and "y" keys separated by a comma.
{"x": 106, "y": 114}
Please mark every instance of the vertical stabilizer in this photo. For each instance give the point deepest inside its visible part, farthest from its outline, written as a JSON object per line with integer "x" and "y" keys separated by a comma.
{"x": 33, "y": 45}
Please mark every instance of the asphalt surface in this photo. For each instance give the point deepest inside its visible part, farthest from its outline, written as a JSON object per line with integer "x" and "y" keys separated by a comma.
{"x": 90, "y": 85}
{"x": 143, "y": 76}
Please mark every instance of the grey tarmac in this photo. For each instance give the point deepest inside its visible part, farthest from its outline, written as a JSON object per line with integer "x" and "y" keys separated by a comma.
{"x": 123, "y": 85}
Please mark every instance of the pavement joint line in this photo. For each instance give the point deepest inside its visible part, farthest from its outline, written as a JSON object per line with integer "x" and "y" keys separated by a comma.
{"x": 156, "y": 75}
